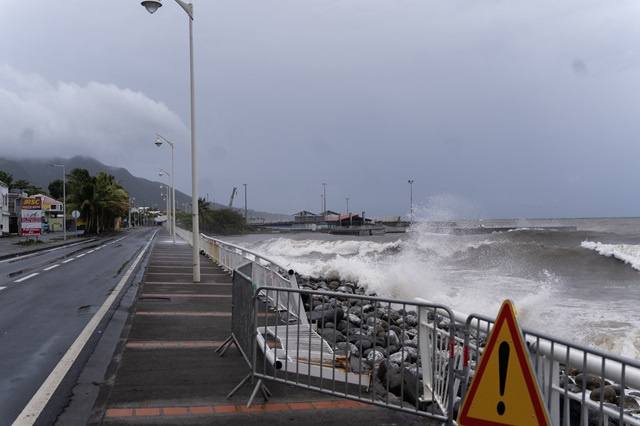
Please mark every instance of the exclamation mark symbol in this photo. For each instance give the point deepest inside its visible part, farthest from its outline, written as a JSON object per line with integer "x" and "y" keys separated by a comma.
{"x": 503, "y": 361}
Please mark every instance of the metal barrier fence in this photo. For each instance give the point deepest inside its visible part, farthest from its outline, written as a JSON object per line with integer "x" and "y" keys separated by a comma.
{"x": 568, "y": 374}
{"x": 572, "y": 377}
{"x": 265, "y": 272}
{"x": 391, "y": 353}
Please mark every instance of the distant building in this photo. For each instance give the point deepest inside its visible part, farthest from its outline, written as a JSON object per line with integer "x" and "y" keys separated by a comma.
{"x": 52, "y": 213}
{"x": 348, "y": 220}
{"x": 307, "y": 217}
{"x": 4, "y": 208}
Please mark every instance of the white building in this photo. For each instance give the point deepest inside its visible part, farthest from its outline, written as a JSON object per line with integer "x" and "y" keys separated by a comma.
{"x": 4, "y": 208}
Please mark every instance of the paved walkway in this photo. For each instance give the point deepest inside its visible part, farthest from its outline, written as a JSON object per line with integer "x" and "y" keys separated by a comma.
{"x": 166, "y": 370}
{"x": 9, "y": 246}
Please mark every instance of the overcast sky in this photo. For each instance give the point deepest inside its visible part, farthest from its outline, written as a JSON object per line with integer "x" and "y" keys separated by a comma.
{"x": 496, "y": 109}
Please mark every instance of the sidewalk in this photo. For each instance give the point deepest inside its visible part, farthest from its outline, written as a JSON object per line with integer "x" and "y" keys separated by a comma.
{"x": 9, "y": 246}
{"x": 166, "y": 370}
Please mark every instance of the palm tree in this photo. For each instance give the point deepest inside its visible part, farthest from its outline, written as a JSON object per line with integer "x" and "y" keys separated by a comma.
{"x": 22, "y": 184}
{"x": 81, "y": 196}
{"x": 100, "y": 199}
{"x": 112, "y": 201}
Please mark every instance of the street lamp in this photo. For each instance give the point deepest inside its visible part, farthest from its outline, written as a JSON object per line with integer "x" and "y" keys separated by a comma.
{"x": 152, "y": 6}
{"x": 171, "y": 211}
{"x": 411, "y": 199}
{"x": 245, "y": 202}
{"x": 324, "y": 206}
{"x": 347, "y": 198}
{"x": 166, "y": 189}
{"x": 158, "y": 143}
{"x": 64, "y": 201}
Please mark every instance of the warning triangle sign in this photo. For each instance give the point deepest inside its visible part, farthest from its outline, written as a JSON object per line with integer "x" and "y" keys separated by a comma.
{"x": 504, "y": 390}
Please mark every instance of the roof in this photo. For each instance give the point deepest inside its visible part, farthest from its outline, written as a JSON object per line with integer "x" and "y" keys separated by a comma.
{"x": 306, "y": 213}
{"x": 48, "y": 200}
{"x": 344, "y": 217}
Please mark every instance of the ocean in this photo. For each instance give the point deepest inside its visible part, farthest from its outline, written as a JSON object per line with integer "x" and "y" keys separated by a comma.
{"x": 582, "y": 285}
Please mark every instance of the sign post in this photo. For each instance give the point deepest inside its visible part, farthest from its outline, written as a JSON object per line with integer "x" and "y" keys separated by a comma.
{"x": 504, "y": 390}
{"x": 30, "y": 216}
{"x": 76, "y": 215}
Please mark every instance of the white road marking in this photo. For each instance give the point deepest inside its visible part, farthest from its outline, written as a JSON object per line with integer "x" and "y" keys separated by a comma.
{"x": 51, "y": 267}
{"x": 68, "y": 260}
{"x": 90, "y": 251}
{"x": 80, "y": 255}
{"x": 33, "y": 409}
{"x": 26, "y": 278}
{"x": 2, "y": 288}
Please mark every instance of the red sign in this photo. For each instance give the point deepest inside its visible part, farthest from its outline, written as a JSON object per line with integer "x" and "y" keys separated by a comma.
{"x": 31, "y": 203}
{"x": 31, "y": 216}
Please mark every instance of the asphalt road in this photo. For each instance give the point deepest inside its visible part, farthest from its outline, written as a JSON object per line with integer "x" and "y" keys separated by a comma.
{"x": 47, "y": 299}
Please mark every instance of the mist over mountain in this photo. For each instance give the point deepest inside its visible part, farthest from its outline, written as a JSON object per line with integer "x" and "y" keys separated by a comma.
{"x": 39, "y": 172}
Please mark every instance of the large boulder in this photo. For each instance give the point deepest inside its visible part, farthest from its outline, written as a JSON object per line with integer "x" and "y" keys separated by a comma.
{"x": 326, "y": 315}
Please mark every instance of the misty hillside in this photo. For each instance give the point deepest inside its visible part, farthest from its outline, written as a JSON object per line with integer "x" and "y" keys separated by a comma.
{"x": 146, "y": 192}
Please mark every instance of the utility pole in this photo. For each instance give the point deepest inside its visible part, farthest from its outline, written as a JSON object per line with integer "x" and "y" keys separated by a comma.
{"x": 348, "y": 215}
{"x": 245, "y": 203}
{"x": 324, "y": 206}
{"x": 411, "y": 199}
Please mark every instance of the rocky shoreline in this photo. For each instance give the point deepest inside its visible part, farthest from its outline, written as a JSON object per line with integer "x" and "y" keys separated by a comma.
{"x": 383, "y": 342}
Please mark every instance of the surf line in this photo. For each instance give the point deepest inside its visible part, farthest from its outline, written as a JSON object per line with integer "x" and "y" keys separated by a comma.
{"x": 32, "y": 410}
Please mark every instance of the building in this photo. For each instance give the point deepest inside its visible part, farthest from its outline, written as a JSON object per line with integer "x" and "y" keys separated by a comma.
{"x": 52, "y": 213}
{"x": 307, "y": 217}
{"x": 4, "y": 208}
{"x": 349, "y": 220}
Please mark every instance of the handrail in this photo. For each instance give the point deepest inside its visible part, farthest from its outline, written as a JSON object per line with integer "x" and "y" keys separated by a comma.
{"x": 567, "y": 352}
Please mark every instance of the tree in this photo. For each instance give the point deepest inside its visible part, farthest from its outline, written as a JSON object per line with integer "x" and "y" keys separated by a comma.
{"x": 7, "y": 178}
{"x": 99, "y": 199}
{"x": 80, "y": 196}
{"x": 56, "y": 189}
{"x": 22, "y": 184}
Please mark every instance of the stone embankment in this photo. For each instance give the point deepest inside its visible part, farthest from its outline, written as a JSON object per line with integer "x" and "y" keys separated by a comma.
{"x": 383, "y": 341}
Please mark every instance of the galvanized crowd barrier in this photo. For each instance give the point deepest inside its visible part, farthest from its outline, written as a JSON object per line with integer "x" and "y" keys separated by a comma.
{"x": 298, "y": 352}
{"x": 363, "y": 348}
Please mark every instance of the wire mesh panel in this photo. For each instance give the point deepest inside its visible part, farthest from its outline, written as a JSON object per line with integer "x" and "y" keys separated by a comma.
{"x": 358, "y": 347}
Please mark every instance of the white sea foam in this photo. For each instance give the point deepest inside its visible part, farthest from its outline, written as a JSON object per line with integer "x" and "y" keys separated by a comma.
{"x": 459, "y": 271}
{"x": 628, "y": 253}
{"x": 297, "y": 248}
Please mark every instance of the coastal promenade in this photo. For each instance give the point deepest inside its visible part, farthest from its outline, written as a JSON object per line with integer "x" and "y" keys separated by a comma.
{"x": 165, "y": 369}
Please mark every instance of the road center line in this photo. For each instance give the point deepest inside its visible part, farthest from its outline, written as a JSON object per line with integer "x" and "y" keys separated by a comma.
{"x": 80, "y": 255}
{"x": 68, "y": 260}
{"x": 51, "y": 267}
{"x": 2, "y": 288}
{"x": 32, "y": 410}
{"x": 26, "y": 278}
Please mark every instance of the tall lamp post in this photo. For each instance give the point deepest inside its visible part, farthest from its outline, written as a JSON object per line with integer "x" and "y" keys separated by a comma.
{"x": 348, "y": 215}
{"x": 171, "y": 205}
{"x": 411, "y": 199}
{"x": 166, "y": 199}
{"x": 324, "y": 206}
{"x": 158, "y": 143}
{"x": 245, "y": 202}
{"x": 64, "y": 200}
{"x": 152, "y": 6}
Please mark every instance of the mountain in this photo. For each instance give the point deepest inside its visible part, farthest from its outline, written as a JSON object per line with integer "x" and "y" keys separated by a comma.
{"x": 146, "y": 192}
